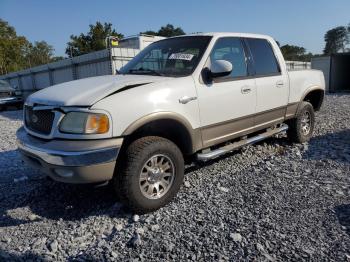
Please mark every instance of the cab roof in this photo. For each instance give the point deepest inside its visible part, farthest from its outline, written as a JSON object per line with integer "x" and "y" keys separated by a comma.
{"x": 231, "y": 34}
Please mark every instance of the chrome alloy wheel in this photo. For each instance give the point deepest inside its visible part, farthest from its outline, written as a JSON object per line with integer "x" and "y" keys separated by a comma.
{"x": 157, "y": 176}
{"x": 306, "y": 123}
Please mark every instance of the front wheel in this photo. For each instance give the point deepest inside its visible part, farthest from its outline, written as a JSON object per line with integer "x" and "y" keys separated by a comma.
{"x": 302, "y": 126}
{"x": 151, "y": 173}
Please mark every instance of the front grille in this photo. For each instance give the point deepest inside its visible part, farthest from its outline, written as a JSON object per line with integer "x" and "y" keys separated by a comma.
{"x": 39, "y": 120}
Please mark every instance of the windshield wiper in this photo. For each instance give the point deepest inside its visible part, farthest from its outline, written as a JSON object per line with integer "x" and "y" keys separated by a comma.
{"x": 142, "y": 70}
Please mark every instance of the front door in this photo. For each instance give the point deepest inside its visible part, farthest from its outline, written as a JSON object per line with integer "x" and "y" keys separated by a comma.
{"x": 227, "y": 104}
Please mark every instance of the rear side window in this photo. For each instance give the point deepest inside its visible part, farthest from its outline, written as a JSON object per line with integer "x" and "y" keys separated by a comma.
{"x": 264, "y": 59}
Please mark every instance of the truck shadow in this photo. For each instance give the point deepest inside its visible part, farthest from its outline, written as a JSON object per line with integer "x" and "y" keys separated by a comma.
{"x": 36, "y": 195}
{"x": 27, "y": 256}
{"x": 332, "y": 146}
{"x": 343, "y": 214}
{"x": 12, "y": 114}
{"x": 269, "y": 141}
{"x": 56, "y": 201}
{"x": 6, "y": 255}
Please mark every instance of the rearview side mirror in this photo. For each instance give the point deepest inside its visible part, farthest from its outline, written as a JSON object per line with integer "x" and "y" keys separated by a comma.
{"x": 220, "y": 68}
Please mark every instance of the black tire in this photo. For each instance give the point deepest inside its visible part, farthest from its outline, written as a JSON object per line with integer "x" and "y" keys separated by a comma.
{"x": 296, "y": 132}
{"x": 127, "y": 178}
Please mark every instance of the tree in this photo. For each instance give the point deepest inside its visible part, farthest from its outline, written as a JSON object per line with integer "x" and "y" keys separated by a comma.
{"x": 149, "y": 32}
{"x": 93, "y": 40}
{"x": 169, "y": 30}
{"x": 17, "y": 53}
{"x": 12, "y": 49}
{"x": 57, "y": 58}
{"x": 295, "y": 53}
{"x": 166, "y": 31}
{"x": 40, "y": 53}
{"x": 336, "y": 40}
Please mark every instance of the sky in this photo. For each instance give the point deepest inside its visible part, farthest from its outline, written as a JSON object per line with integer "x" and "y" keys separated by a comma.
{"x": 296, "y": 22}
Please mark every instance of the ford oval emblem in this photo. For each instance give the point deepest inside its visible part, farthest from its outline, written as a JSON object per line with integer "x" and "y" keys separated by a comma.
{"x": 35, "y": 119}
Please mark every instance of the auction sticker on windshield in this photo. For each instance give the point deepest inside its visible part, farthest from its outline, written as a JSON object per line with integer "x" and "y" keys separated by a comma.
{"x": 181, "y": 56}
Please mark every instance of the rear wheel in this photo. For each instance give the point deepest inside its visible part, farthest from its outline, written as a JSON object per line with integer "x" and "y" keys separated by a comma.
{"x": 302, "y": 126}
{"x": 150, "y": 174}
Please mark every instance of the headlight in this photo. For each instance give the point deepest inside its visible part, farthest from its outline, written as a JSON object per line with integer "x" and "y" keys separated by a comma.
{"x": 84, "y": 123}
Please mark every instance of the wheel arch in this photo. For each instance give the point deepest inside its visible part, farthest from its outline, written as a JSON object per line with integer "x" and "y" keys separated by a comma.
{"x": 314, "y": 95}
{"x": 169, "y": 125}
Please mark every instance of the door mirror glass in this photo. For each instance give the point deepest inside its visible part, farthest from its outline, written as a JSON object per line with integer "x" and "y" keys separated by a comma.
{"x": 220, "y": 68}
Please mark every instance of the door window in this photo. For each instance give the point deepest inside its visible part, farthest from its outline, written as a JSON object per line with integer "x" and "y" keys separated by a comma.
{"x": 264, "y": 59}
{"x": 231, "y": 49}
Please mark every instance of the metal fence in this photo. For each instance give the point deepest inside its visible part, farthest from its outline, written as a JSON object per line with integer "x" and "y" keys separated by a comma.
{"x": 104, "y": 62}
{"x": 297, "y": 65}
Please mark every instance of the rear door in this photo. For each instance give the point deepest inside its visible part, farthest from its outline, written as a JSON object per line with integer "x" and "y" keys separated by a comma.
{"x": 272, "y": 85}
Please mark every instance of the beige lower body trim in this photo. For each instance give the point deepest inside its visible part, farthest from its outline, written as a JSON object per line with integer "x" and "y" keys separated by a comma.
{"x": 291, "y": 110}
{"x": 197, "y": 143}
{"x": 228, "y": 130}
{"x": 218, "y": 133}
{"x": 269, "y": 116}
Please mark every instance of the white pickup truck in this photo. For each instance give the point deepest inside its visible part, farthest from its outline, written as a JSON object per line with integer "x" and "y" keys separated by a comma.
{"x": 191, "y": 97}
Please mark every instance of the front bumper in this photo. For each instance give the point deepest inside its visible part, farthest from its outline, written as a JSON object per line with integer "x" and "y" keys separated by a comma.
{"x": 71, "y": 161}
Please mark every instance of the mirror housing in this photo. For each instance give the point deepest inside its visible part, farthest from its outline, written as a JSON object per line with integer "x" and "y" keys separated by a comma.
{"x": 220, "y": 68}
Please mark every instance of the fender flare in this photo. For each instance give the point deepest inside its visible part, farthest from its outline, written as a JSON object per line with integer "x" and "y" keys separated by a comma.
{"x": 308, "y": 91}
{"x": 195, "y": 134}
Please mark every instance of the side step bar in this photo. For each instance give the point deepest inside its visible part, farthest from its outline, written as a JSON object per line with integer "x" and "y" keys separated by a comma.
{"x": 236, "y": 145}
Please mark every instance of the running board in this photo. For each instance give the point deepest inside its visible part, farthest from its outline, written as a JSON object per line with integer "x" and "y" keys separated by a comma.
{"x": 236, "y": 145}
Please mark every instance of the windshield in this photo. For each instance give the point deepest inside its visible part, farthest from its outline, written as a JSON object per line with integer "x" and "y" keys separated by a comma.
{"x": 172, "y": 57}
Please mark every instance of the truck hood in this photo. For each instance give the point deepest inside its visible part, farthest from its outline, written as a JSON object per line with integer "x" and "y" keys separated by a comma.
{"x": 87, "y": 91}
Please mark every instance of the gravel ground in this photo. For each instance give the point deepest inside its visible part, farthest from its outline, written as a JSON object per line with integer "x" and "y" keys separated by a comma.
{"x": 267, "y": 202}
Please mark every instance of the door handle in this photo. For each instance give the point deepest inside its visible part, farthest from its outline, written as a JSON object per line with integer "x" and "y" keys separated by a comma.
{"x": 186, "y": 99}
{"x": 279, "y": 84}
{"x": 246, "y": 90}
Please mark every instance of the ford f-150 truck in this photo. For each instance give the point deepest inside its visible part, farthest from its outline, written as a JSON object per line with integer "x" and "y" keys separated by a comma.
{"x": 190, "y": 98}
